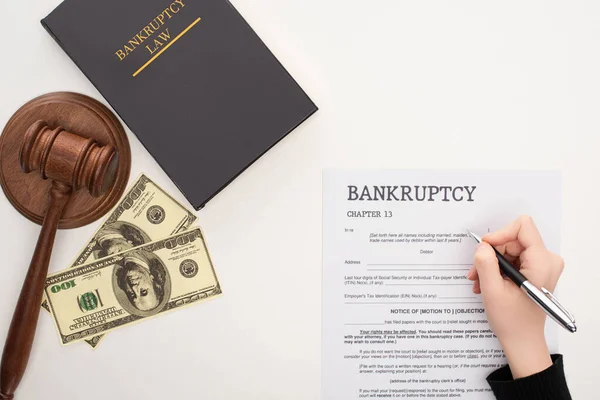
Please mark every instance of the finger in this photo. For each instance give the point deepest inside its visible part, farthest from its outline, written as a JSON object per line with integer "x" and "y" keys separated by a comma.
{"x": 472, "y": 274}
{"x": 502, "y": 250}
{"x": 513, "y": 249}
{"x": 522, "y": 230}
{"x": 487, "y": 267}
{"x": 476, "y": 287}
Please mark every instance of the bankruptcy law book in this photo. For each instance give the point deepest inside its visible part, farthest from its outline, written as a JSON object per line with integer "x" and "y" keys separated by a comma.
{"x": 190, "y": 78}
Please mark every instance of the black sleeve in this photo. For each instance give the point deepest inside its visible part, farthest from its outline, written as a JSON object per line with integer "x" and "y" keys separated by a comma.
{"x": 549, "y": 384}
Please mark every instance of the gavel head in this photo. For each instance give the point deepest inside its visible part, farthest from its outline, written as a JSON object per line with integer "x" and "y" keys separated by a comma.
{"x": 68, "y": 158}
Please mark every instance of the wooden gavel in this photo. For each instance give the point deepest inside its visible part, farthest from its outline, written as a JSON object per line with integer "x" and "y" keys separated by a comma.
{"x": 71, "y": 162}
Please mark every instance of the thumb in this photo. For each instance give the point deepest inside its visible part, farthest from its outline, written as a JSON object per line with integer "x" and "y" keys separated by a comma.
{"x": 488, "y": 269}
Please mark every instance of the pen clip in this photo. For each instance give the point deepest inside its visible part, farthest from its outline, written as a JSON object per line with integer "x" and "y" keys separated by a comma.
{"x": 557, "y": 303}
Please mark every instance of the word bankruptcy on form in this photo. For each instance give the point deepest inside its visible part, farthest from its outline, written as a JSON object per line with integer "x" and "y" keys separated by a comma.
{"x": 400, "y": 320}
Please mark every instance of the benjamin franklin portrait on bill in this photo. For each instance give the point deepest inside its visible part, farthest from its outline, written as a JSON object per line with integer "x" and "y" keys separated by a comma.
{"x": 142, "y": 283}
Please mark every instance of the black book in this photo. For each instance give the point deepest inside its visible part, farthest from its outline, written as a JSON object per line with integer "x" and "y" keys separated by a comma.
{"x": 190, "y": 78}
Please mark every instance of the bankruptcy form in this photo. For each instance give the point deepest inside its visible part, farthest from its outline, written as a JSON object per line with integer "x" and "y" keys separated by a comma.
{"x": 400, "y": 320}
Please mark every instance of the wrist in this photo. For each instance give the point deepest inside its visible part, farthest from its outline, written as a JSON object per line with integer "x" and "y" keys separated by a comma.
{"x": 527, "y": 356}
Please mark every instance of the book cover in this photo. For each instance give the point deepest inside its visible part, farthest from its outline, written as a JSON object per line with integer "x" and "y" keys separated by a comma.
{"x": 190, "y": 78}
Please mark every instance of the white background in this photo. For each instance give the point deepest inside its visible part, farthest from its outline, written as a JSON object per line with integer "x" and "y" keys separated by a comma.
{"x": 400, "y": 84}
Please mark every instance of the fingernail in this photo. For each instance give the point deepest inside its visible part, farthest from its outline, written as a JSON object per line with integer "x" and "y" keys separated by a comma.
{"x": 470, "y": 274}
{"x": 480, "y": 246}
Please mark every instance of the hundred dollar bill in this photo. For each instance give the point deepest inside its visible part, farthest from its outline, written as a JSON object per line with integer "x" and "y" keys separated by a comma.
{"x": 144, "y": 214}
{"x": 139, "y": 283}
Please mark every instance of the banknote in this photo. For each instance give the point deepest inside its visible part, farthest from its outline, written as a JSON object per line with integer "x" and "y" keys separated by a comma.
{"x": 128, "y": 287}
{"x": 144, "y": 214}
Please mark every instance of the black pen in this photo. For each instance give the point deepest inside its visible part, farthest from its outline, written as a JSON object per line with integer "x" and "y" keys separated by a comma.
{"x": 543, "y": 298}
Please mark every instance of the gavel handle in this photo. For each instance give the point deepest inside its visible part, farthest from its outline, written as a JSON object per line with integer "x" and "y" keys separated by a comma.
{"x": 24, "y": 322}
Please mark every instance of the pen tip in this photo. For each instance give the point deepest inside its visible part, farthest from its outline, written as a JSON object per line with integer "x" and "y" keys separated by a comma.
{"x": 474, "y": 236}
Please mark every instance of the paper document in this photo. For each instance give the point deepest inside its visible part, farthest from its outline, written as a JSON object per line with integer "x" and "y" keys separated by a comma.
{"x": 400, "y": 320}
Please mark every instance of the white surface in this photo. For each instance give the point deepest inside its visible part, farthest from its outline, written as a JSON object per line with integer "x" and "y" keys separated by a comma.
{"x": 400, "y": 84}
{"x": 363, "y": 303}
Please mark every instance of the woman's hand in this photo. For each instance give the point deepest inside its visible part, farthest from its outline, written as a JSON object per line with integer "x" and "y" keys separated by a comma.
{"x": 516, "y": 320}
